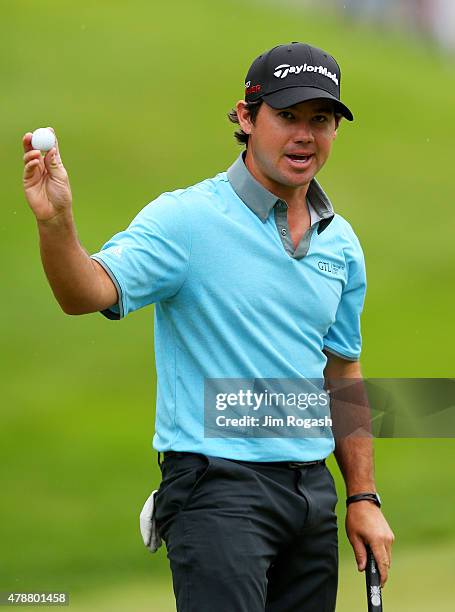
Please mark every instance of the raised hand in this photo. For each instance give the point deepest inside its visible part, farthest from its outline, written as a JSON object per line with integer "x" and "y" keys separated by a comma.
{"x": 46, "y": 183}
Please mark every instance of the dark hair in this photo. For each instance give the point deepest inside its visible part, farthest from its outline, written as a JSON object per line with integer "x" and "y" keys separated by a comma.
{"x": 253, "y": 109}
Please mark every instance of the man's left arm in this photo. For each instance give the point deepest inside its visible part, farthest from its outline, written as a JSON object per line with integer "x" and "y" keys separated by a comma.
{"x": 365, "y": 523}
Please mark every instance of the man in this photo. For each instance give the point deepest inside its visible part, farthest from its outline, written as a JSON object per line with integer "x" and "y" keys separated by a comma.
{"x": 254, "y": 279}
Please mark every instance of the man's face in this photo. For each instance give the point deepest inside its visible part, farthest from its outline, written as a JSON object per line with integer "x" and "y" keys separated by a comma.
{"x": 288, "y": 147}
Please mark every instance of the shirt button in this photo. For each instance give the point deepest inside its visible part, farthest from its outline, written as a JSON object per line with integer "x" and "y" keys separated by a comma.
{"x": 284, "y": 231}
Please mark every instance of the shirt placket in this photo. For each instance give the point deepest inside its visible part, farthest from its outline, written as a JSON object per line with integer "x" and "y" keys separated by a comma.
{"x": 281, "y": 220}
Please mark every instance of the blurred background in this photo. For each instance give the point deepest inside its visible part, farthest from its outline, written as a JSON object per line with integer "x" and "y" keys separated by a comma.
{"x": 138, "y": 94}
{"x": 432, "y": 20}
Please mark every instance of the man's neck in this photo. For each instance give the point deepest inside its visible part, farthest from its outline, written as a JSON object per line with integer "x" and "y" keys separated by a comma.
{"x": 295, "y": 197}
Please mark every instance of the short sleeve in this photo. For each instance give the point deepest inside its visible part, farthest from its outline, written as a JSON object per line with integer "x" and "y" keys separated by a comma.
{"x": 148, "y": 261}
{"x": 344, "y": 336}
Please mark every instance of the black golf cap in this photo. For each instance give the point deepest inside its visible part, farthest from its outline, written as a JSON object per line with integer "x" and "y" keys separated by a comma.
{"x": 293, "y": 73}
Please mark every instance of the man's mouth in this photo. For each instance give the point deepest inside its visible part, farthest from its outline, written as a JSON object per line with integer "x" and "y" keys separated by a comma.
{"x": 299, "y": 159}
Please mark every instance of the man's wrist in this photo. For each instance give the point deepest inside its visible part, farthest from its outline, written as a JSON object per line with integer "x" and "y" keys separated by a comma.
{"x": 63, "y": 219}
{"x": 354, "y": 487}
{"x": 371, "y": 497}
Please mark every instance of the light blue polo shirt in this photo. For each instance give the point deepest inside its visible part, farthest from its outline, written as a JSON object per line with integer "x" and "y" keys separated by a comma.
{"x": 234, "y": 299}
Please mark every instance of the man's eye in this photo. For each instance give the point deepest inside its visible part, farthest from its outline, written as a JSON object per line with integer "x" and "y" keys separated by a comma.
{"x": 321, "y": 118}
{"x": 286, "y": 115}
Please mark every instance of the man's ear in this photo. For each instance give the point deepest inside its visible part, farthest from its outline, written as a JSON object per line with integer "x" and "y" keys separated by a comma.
{"x": 243, "y": 115}
{"x": 337, "y": 125}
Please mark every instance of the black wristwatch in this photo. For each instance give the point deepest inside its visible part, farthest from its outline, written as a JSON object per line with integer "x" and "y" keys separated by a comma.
{"x": 372, "y": 497}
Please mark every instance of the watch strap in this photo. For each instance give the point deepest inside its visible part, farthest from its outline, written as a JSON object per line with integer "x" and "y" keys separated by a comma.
{"x": 372, "y": 497}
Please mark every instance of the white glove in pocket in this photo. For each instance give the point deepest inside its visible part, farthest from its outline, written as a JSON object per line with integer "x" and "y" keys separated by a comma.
{"x": 148, "y": 526}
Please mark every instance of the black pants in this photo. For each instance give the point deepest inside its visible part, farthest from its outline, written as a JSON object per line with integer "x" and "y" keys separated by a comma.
{"x": 248, "y": 537}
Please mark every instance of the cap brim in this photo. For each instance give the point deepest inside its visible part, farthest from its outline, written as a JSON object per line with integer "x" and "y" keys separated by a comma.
{"x": 294, "y": 95}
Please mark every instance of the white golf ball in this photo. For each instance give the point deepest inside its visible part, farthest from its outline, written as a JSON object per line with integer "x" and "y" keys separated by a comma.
{"x": 43, "y": 139}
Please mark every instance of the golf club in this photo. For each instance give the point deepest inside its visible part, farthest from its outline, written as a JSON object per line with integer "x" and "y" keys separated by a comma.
{"x": 373, "y": 580}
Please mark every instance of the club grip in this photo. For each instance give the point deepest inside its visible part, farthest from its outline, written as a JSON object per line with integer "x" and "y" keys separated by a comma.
{"x": 373, "y": 580}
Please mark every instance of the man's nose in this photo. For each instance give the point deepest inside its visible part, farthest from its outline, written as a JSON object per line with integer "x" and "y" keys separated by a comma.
{"x": 303, "y": 132}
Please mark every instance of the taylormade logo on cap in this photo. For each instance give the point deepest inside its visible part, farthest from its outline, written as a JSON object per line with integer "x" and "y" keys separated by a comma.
{"x": 282, "y": 71}
{"x": 302, "y": 73}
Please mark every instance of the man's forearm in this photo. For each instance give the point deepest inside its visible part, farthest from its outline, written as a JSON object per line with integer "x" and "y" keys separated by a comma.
{"x": 69, "y": 269}
{"x": 351, "y": 424}
{"x": 351, "y": 418}
{"x": 355, "y": 459}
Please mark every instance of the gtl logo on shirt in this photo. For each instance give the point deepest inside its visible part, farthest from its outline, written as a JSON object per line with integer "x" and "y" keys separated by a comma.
{"x": 282, "y": 71}
{"x": 327, "y": 266}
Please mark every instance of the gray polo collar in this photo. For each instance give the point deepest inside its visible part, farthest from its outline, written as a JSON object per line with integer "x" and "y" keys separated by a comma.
{"x": 261, "y": 201}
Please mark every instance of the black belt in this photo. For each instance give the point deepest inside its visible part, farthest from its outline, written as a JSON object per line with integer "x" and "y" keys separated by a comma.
{"x": 288, "y": 464}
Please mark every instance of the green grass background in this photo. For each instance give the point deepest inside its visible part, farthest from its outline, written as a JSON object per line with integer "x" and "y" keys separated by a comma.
{"x": 137, "y": 93}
